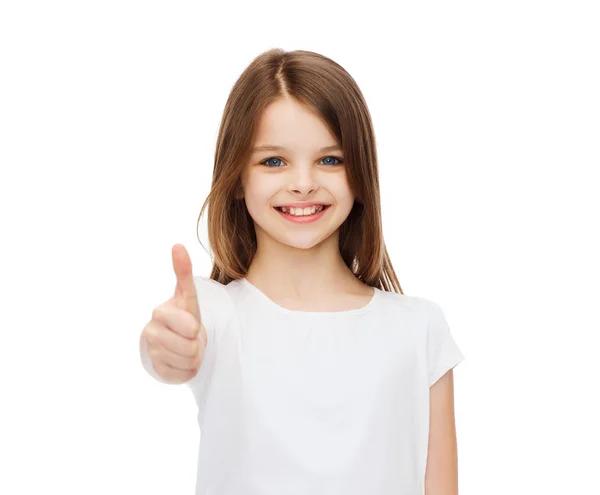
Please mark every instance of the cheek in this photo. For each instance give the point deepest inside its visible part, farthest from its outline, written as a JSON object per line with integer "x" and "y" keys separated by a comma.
{"x": 341, "y": 190}
{"x": 258, "y": 192}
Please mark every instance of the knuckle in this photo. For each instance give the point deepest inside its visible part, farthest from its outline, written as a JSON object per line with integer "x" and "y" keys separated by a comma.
{"x": 157, "y": 313}
{"x": 154, "y": 334}
{"x": 150, "y": 335}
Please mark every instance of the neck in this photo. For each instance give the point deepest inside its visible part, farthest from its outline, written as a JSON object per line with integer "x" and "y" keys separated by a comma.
{"x": 307, "y": 274}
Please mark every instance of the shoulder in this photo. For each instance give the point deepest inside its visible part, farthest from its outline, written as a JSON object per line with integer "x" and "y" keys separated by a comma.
{"x": 203, "y": 281}
{"x": 415, "y": 303}
{"x": 207, "y": 288}
{"x": 213, "y": 297}
{"x": 394, "y": 303}
{"x": 417, "y": 313}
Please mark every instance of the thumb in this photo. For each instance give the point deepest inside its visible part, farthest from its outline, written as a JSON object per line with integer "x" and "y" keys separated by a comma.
{"x": 185, "y": 290}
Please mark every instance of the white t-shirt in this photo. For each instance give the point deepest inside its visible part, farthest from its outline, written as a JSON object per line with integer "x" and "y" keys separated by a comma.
{"x": 321, "y": 403}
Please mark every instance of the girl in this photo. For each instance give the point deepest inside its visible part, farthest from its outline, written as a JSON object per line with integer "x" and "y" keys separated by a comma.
{"x": 312, "y": 371}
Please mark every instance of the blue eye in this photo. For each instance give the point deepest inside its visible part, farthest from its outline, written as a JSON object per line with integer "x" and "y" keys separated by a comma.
{"x": 335, "y": 158}
{"x": 265, "y": 162}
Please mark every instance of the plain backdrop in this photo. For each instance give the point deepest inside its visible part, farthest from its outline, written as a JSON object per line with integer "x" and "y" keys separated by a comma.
{"x": 487, "y": 123}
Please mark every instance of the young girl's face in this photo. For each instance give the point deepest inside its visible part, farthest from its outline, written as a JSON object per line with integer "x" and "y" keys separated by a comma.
{"x": 299, "y": 172}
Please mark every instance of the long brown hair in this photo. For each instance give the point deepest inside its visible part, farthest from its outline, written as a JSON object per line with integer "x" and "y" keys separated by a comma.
{"x": 324, "y": 87}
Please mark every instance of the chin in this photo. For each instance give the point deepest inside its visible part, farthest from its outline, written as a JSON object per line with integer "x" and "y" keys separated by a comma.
{"x": 295, "y": 240}
{"x": 299, "y": 242}
{"x": 305, "y": 246}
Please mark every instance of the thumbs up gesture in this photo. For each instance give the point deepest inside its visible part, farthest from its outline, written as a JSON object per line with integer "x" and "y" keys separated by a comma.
{"x": 175, "y": 336}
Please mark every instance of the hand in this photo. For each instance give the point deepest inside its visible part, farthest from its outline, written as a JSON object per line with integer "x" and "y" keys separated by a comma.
{"x": 175, "y": 335}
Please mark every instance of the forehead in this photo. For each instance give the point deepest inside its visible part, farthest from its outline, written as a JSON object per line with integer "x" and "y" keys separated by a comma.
{"x": 289, "y": 124}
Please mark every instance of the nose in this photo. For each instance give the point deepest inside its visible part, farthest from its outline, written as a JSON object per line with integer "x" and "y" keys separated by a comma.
{"x": 303, "y": 180}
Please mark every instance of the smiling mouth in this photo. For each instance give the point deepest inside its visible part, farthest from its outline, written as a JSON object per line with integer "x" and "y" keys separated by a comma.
{"x": 287, "y": 212}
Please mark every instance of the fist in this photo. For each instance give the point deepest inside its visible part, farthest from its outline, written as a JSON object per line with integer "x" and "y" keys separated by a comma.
{"x": 176, "y": 338}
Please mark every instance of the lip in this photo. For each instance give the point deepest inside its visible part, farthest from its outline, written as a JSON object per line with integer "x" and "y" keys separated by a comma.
{"x": 303, "y": 218}
{"x": 301, "y": 205}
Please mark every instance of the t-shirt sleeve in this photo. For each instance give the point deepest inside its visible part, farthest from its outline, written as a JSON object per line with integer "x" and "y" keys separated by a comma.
{"x": 215, "y": 311}
{"x": 442, "y": 352}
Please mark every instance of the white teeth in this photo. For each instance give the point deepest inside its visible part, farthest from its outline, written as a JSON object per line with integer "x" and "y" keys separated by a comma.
{"x": 298, "y": 212}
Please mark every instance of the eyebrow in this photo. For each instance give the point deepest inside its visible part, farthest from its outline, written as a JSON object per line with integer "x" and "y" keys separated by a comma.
{"x": 270, "y": 147}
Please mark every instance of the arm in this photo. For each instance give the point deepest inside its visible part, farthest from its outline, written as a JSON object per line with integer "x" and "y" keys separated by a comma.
{"x": 441, "y": 475}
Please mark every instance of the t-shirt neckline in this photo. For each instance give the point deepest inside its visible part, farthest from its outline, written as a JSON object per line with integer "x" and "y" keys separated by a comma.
{"x": 278, "y": 307}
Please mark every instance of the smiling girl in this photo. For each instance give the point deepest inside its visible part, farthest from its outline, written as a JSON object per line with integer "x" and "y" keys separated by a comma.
{"x": 312, "y": 371}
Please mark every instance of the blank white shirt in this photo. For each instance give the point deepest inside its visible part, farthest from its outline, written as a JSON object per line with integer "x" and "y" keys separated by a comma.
{"x": 321, "y": 403}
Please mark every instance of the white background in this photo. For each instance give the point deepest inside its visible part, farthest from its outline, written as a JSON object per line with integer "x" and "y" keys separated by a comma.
{"x": 487, "y": 117}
